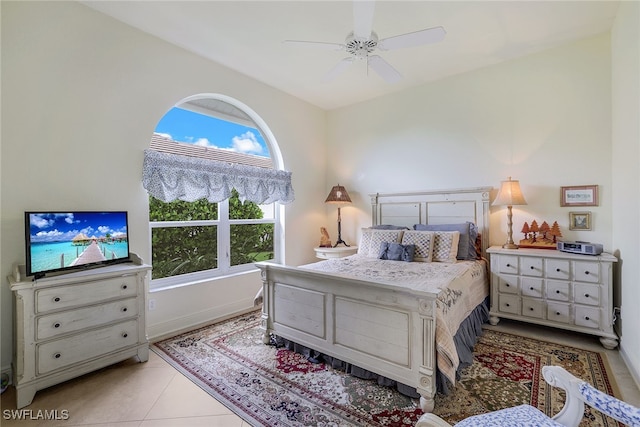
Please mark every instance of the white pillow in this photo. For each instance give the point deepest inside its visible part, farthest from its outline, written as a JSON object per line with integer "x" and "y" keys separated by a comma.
{"x": 371, "y": 239}
{"x": 445, "y": 246}
{"x": 423, "y": 240}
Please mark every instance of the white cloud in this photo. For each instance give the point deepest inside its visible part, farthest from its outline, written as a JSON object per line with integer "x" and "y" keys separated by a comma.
{"x": 247, "y": 143}
{"x": 203, "y": 142}
{"x": 39, "y": 221}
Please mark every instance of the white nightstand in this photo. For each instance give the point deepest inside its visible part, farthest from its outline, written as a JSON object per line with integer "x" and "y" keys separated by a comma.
{"x": 337, "y": 252}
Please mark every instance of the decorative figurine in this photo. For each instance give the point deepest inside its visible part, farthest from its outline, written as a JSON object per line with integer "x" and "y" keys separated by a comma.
{"x": 325, "y": 240}
{"x": 540, "y": 237}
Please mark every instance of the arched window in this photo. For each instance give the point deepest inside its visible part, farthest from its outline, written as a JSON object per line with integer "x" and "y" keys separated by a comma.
{"x": 215, "y": 181}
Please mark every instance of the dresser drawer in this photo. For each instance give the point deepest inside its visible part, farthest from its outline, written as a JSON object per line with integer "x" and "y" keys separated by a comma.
{"x": 78, "y": 348}
{"x": 84, "y": 293}
{"x": 586, "y": 294}
{"x": 587, "y": 316}
{"x": 558, "y": 269}
{"x": 508, "y": 264}
{"x": 558, "y": 291}
{"x": 508, "y": 284}
{"x": 509, "y": 304}
{"x": 531, "y": 287}
{"x": 533, "y": 308}
{"x": 584, "y": 271}
{"x": 559, "y": 312}
{"x": 531, "y": 266}
{"x": 52, "y": 325}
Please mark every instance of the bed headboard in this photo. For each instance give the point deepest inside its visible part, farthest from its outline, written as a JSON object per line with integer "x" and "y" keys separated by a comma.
{"x": 434, "y": 207}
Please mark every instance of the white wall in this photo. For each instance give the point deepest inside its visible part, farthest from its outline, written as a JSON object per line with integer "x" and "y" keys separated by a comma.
{"x": 625, "y": 40}
{"x": 81, "y": 96}
{"x": 544, "y": 119}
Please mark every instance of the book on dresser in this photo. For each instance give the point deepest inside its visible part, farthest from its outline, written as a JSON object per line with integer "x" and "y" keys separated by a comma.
{"x": 553, "y": 288}
{"x": 70, "y": 324}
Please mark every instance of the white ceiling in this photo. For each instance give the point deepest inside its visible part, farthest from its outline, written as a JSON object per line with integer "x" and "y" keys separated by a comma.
{"x": 247, "y": 36}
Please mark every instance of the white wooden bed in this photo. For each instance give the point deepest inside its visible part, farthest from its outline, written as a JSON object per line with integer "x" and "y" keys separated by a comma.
{"x": 386, "y": 329}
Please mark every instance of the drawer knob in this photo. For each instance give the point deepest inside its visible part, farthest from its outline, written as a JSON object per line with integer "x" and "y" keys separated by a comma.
{"x": 57, "y": 355}
{"x": 56, "y": 325}
{"x": 557, "y": 291}
{"x": 586, "y": 295}
{"x": 530, "y": 308}
{"x": 508, "y": 265}
{"x": 507, "y": 305}
{"x": 56, "y": 299}
{"x": 124, "y": 286}
{"x": 124, "y": 309}
{"x": 557, "y": 313}
{"x": 586, "y": 318}
{"x": 507, "y": 285}
{"x": 531, "y": 288}
{"x": 586, "y": 272}
{"x": 124, "y": 335}
{"x": 558, "y": 270}
{"x": 532, "y": 267}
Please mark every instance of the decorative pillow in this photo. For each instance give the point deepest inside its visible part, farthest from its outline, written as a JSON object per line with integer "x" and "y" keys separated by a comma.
{"x": 468, "y": 235}
{"x": 396, "y": 252}
{"x": 445, "y": 246}
{"x": 423, "y": 240}
{"x": 371, "y": 239}
{"x": 389, "y": 227}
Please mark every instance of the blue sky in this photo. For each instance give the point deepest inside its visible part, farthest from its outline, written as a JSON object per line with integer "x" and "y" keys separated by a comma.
{"x": 186, "y": 126}
{"x": 58, "y": 226}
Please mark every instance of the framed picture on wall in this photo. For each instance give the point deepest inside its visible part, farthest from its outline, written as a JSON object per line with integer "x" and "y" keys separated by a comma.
{"x": 579, "y": 220}
{"x": 585, "y": 195}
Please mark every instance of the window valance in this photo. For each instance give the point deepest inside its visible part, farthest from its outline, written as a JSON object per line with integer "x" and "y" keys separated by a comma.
{"x": 169, "y": 177}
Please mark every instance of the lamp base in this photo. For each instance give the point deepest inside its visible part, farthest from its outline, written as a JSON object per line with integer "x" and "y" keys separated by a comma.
{"x": 510, "y": 246}
{"x": 340, "y": 241}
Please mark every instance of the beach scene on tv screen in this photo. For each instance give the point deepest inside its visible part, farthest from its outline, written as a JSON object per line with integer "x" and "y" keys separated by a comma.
{"x": 61, "y": 240}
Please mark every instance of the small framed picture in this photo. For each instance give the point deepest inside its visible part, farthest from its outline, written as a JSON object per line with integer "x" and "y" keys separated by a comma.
{"x": 579, "y": 220}
{"x": 585, "y": 195}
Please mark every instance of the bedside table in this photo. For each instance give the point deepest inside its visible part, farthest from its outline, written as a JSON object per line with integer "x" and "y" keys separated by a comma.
{"x": 337, "y": 252}
{"x": 553, "y": 288}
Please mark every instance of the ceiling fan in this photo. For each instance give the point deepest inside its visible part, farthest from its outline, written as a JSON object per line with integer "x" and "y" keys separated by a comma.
{"x": 363, "y": 41}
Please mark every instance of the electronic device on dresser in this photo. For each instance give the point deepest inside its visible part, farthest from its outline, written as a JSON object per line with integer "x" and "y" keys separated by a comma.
{"x": 579, "y": 247}
{"x": 59, "y": 241}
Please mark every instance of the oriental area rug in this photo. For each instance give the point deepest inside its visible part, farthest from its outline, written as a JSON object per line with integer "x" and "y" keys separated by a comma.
{"x": 269, "y": 386}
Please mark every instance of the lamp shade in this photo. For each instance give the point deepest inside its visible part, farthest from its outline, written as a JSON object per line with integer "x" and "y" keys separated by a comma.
{"x": 509, "y": 194}
{"x": 338, "y": 194}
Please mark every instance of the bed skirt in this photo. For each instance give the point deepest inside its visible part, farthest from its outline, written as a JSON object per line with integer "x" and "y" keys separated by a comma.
{"x": 465, "y": 339}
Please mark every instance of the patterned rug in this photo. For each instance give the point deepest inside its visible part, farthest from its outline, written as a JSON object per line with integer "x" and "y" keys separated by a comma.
{"x": 267, "y": 386}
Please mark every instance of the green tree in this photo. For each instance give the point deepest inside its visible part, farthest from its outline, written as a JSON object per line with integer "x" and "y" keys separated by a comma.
{"x": 187, "y": 249}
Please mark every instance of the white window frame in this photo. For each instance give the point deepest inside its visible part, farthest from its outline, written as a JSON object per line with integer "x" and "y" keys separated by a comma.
{"x": 223, "y": 222}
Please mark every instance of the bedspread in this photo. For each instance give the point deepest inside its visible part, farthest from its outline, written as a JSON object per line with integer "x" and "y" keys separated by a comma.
{"x": 460, "y": 287}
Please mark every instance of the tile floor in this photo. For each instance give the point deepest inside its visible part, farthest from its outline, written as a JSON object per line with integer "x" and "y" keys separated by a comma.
{"x": 131, "y": 394}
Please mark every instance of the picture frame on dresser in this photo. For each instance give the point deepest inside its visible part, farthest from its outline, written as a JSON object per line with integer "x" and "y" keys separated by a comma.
{"x": 579, "y": 220}
{"x": 583, "y": 195}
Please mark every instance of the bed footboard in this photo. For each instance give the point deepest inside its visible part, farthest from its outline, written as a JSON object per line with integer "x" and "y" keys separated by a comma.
{"x": 378, "y": 327}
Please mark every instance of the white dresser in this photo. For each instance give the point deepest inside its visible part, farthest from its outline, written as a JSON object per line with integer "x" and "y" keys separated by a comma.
{"x": 71, "y": 324}
{"x": 553, "y": 288}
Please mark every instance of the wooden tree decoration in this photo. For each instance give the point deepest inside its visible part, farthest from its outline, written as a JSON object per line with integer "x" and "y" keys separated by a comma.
{"x": 544, "y": 229}
{"x": 555, "y": 231}
{"x": 534, "y": 229}
{"x": 525, "y": 230}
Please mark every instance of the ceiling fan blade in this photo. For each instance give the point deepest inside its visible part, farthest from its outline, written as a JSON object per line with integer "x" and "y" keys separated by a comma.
{"x": 363, "y": 18}
{"x": 384, "y": 69}
{"x": 317, "y": 45}
{"x": 430, "y": 35}
{"x": 338, "y": 69}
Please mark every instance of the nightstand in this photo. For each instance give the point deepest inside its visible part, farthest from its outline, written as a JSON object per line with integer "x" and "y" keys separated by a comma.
{"x": 553, "y": 288}
{"x": 337, "y": 252}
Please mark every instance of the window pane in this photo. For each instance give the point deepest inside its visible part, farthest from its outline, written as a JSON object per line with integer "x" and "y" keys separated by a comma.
{"x": 246, "y": 210}
{"x": 251, "y": 243}
{"x": 179, "y": 210}
{"x": 181, "y": 250}
{"x": 268, "y": 211}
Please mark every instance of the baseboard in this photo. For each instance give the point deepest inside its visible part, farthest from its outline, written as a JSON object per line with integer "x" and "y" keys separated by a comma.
{"x": 632, "y": 370}
{"x": 179, "y": 325}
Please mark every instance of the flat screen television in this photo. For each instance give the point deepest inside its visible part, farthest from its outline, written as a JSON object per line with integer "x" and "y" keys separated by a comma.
{"x": 61, "y": 241}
